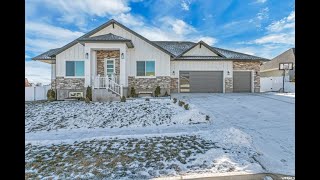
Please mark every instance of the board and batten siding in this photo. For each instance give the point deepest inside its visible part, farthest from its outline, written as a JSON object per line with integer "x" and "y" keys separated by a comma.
{"x": 224, "y": 66}
{"x": 74, "y": 53}
{"x": 142, "y": 51}
{"x": 197, "y": 51}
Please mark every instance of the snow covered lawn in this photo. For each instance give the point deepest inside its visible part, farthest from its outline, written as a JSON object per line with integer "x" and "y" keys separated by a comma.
{"x": 140, "y": 158}
{"x": 48, "y": 116}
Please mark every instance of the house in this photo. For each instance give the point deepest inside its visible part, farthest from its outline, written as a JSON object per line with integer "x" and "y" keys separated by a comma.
{"x": 113, "y": 58}
{"x": 26, "y": 82}
{"x": 271, "y": 68}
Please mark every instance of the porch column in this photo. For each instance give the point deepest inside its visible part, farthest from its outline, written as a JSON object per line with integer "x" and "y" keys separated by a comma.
{"x": 87, "y": 69}
{"x": 123, "y": 72}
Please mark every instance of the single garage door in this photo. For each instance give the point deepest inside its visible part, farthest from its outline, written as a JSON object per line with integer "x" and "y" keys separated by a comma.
{"x": 201, "y": 81}
{"x": 241, "y": 81}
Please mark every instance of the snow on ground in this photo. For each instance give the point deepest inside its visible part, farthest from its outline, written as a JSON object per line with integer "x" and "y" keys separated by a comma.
{"x": 268, "y": 118}
{"x": 246, "y": 133}
{"x": 48, "y": 116}
{"x": 139, "y": 158}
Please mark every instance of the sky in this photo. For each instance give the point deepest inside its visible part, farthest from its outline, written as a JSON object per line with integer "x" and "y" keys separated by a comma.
{"x": 263, "y": 28}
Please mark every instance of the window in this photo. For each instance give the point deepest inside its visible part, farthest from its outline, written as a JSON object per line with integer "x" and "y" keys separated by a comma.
{"x": 146, "y": 68}
{"x": 74, "y": 68}
{"x": 110, "y": 67}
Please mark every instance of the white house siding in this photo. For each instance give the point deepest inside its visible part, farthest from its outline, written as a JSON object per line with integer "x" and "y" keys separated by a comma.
{"x": 53, "y": 71}
{"x": 197, "y": 51}
{"x": 142, "y": 51}
{"x": 224, "y": 66}
{"x": 74, "y": 53}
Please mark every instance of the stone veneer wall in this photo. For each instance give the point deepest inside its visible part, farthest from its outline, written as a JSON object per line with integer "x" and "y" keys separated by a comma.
{"x": 69, "y": 83}
{"x": 228, "y": 85}
{"x": 150, "y": 84}
{"x": 53, "y": 84}
{"x": 250, "y": 65}
{"x": 101, "y": 54}
{"x": 174, "y": 85}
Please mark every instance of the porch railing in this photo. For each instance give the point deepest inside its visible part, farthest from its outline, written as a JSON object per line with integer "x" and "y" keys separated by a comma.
{"x": 110, "y": 83}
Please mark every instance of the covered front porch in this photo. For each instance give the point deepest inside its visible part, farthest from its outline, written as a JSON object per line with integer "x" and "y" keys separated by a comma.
{"x": 106, "y": 65}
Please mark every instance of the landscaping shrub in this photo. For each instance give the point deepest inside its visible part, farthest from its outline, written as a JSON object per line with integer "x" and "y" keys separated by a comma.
{"x": 147, "y": 99}
{"x": 133, "y": 92}
{"x": 174, "y": 100}
{"x": 123, "y": 99}
{"x": 186, "y": 106}
{"x": 181, "y": 103}
{"x": 166, "y": 94}
{"x": 89, "y": 93}
{"x": 207, "y": 117}
{"x": 87, "y": 100}
{"x": 157, "y": 91}
{"x": 51, "y": 95}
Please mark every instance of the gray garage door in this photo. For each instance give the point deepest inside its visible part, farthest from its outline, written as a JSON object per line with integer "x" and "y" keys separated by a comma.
{"x": 201, "y": 81}
{"x": 241, "y": 81}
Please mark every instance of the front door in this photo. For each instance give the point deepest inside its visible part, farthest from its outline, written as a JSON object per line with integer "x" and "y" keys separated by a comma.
{"x": 109, "y": 67}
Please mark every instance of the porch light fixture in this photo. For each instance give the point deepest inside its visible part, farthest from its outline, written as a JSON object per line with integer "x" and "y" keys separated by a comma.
{"x": 172, "y": 72}
{"x": 122, "y": 55}
{"x": 228, "y": 72}
{"x": 87, "y": 55}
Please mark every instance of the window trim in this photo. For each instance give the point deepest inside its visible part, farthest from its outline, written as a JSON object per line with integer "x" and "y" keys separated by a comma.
{"x": 145, "y": 69}
{"x": 84, "y": 69}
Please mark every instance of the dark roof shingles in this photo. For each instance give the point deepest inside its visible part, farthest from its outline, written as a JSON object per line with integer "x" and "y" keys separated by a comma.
{"x": 104, "y": 37}
{"x": 47, "y": 55}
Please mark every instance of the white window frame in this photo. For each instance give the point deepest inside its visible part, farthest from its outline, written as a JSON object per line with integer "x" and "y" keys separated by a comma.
{"x": 145, "y": 69}
{"x": 106, "y": 66}
{"x": 84, "y": 69}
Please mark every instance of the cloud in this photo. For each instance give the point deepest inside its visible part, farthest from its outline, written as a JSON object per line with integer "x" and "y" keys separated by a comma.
{"x": 263, "y": 14}
{"x": 185, "y": 5}
{"x": 283, "y": 24}
{"x": 261, "y": 1}
{"x": 78, "y": 12}
{"x": 207, "y": 39}
{"x": 37, "y": 71}
{"x": 177, "y": 25}
{"x": 280, "y": 32}
{"x": 41, "y": 37}
{"x": 276, "y": 39}
{"x": 130, "y": 20}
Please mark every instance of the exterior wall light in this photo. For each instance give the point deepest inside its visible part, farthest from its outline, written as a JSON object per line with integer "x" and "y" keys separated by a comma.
{"x": 172, "y": 72}
{"x": 87, "y": 55}
{"x": 122, "y": 55}
{"x": 228, "y": 73}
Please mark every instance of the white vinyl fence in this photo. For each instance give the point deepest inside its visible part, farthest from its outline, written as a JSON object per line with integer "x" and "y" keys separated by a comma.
{"x": 275, "y": 84}
{"x": 36, "y": 93}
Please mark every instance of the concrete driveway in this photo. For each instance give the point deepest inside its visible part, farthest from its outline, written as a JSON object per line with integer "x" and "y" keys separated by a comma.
{"x": 269, "y": 118}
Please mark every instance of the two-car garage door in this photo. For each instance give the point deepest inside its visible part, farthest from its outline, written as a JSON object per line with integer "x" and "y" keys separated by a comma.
{"x": 201, "y": 81}
{"x": 212, "y": 81}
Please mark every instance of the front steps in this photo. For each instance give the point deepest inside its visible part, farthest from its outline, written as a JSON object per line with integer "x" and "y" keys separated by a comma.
{"x": 103, "y": 95}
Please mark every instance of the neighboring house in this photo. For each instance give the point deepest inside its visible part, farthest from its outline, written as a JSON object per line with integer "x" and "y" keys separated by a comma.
{"x": 271, "y": 68}
{"x": 26, "y": 83}
{"x": 131, "y": 60}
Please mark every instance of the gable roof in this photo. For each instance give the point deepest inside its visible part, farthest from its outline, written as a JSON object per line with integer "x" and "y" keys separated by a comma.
{"x": 179, "y": 47}
{"x": 287, "y": 56}
{"x": 107, "y": 37}
{"x": 173, "y": 48}
{"x": 49, "y": 55}
{"x": 200, "y": 43}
